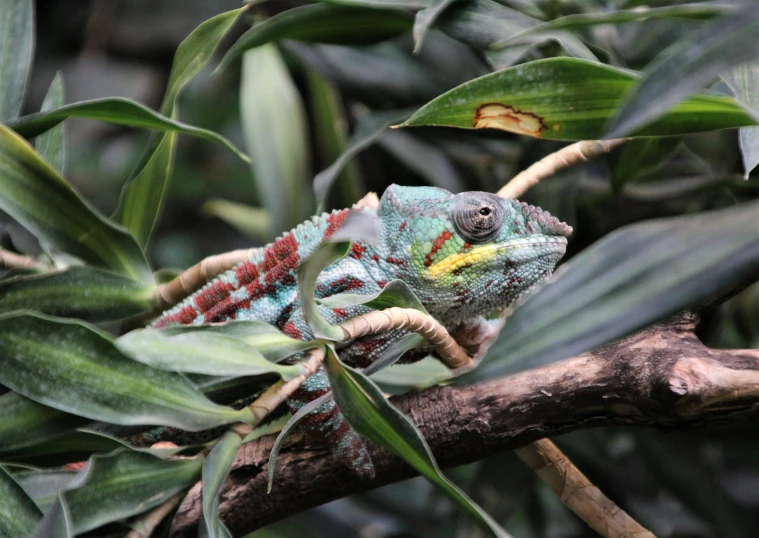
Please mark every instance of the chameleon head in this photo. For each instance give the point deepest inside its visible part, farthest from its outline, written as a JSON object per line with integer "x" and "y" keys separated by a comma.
{"x": 467, "y": 254}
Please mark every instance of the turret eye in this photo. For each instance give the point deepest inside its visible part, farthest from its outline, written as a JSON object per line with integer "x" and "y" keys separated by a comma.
{"x": 478, "y": 216}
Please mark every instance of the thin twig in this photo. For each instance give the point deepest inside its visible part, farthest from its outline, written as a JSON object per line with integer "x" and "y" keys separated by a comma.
{"x": 550, "y": 164}
{"x": 188, "y": 282}
{"x": 151, "y": 520}
{"x": 379, "y": 321}
{"x": 281, "y": 390}
{"x": 11, "y": 260}
{"x": 577, "y": 493}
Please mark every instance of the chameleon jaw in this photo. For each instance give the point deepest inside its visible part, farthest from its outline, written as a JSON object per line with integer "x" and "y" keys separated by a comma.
{"x": 489, "y": 252}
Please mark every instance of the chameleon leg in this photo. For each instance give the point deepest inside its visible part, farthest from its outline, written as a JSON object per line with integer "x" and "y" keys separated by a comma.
{"x": 328, "y": 425}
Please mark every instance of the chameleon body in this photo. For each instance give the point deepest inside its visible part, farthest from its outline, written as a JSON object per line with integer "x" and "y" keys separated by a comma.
{"x": 463, "y": 255}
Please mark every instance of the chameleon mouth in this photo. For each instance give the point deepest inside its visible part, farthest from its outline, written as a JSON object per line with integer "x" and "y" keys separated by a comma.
{"x": 547, "y": 245}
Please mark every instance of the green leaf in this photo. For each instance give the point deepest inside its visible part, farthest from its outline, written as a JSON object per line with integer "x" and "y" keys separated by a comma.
{"x": 291, "y": 423}
{"x": 744, "y": 81}
{"x": 16, "y": 53}
{"x": 426, "y": 18}
{"x": 359, "y": 226}
{"x": 395, "y": 293}
{"x": 18, "y": 513}
{"x": 276, "y": 134}
{"x": 373, "y": 416}
{"x": 483, "y": 23}
{"x": 263, "y": 337}
{"x": 39, "y": 199}
{"x": 368, "y": 130}
{"x": 251, "y": 221}
{"x": 116, "y": 110}
{"x": 215, "y": 472}
{"x": 76, "y": 445}
{"x": 687, "y": 66}
{"x": 44, "y": 486}
{"x": 383, "y": 4}
{"x": 56, "y": 523}
{"x": 639, "y": 157}
{"x": 201, "y": 352}
{"x": 51, "y": 146}
{"x": 308, "y": 273}
{"x": 27, "y": 423}
{"x": 125, "y": 483}
{"x": 142, "y": 198}
{"x": 72, "y": 367}
{"x": 330, "y": 122}
{"x": 582, "y": 20}
{"x": 566, "y": 99}
{"x": 321, "y": 23}
{"x": 82, "y": 292}
{"x": 633, "y": 277}
{"x": 419, "y": 375}
{"x": 142, "y": 202}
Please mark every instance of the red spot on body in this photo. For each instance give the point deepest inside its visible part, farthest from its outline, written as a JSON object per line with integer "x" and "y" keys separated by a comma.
{"x": 357, "y": 251}
{"x": 436, "y": 246}
{"x": 335, "y": 220}
{"x": 382, "y": 283}
{"x": 291, "y": 330}
{"x": 395, "y": 261}
{"x": 375, "y": 257}
{"x": 403, "y": 226}
{"x": 341, "y": 312}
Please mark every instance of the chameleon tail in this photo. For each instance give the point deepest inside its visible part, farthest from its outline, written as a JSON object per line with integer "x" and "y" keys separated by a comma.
{"x": 328, "y": 425}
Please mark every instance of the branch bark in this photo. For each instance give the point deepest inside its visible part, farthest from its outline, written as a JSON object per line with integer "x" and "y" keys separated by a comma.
{"x": 663, "y": 377}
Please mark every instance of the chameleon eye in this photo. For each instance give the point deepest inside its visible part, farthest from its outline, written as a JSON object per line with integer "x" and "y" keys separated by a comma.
{"x": 478, "y": 216}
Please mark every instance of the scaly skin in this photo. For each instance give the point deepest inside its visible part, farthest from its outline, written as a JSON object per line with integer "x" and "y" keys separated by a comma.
{"x": 463, "y": 255}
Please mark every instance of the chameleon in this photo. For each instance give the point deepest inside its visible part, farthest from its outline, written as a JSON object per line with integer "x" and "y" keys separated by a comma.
{"x": 464, "y": 255}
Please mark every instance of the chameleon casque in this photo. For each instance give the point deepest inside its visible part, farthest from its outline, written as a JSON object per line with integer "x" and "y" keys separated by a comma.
{"x": 463, "y": 255}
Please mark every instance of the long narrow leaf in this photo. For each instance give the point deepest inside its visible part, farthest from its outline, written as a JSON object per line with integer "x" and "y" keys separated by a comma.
{"x": 215, "y": 472}
{"x": 321, "y": 23}
{"x": 142, "y": 198}
{"x": 125, "y": 483}
{"x": 263, "y": 337}
{"x": 373, "y": 416}
{"x": 16, "y": 53}
{"x": 566, "y": 99}
{"x": 332, "y": 126}
{"x": 83, "y": 292}
{"x": 116, "y": 110}
{"x": 56, "y": 523}
{"x": 199, "y": 352}
{"x": 69, "y": 366}
{"x": 744, "y": 81}
{"x": 26, "y": 423}
{"x": 52, "y": 145}
{"x": 633, "y": 277}
{"x": 38, "y": 198}
{"x": 18, "y": 513}
{"x": 276, "y": 136}
{"x": 687, "y": 66}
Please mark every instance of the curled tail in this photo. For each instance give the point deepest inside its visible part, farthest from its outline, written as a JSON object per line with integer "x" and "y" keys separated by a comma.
{"x": 328, "y": 425}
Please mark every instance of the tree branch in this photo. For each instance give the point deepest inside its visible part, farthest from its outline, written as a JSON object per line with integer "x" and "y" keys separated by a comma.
{"x": 663, "y": 377}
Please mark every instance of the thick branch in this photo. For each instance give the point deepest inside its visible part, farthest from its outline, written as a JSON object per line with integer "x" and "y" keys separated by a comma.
{"x": 663, "y": 377}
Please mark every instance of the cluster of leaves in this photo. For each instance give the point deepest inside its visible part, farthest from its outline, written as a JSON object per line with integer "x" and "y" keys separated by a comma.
{"x": 75, "y": 388}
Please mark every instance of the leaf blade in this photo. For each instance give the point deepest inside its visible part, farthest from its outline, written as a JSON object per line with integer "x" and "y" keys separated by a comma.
{"x": 39, "y": 199}
{"x": 655, "y": 273}
{"x": 686, "y": 67}
{"x": 68, "y": 366}
{"x": 16, "y": 50}
{"x": 565, "y": 99}
{"x": 52, "y": 145}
